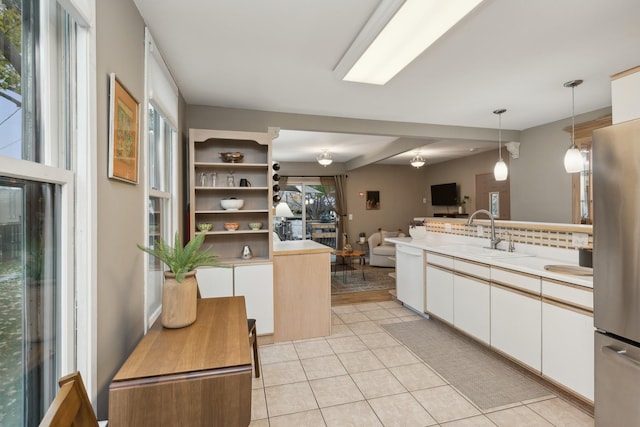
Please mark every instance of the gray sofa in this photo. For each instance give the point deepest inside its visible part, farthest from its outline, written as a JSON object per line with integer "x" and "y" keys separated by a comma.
{"x": 381, "y": 253}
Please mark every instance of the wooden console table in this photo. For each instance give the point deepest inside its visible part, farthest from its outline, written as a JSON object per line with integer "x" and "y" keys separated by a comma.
{"x": 194, "y": 376}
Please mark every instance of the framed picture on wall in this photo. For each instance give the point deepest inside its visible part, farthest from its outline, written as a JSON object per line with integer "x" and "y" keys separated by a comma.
{"x": 124, "y": 125}
{"x": 373, "y": 200}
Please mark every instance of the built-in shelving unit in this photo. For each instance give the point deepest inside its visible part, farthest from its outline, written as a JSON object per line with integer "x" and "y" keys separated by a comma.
{"x": 255, "y": 167}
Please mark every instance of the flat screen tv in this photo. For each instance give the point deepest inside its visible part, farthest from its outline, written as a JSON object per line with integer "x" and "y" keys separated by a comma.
{"x": 444, "y": 194}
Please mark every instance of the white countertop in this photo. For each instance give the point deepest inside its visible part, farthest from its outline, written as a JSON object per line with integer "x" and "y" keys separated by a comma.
{"x": 436, "y": 242}
{"x": 290, "y": 247}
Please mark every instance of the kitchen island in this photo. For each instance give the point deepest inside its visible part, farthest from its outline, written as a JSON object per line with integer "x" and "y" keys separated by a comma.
{"x": 302, "y": 290}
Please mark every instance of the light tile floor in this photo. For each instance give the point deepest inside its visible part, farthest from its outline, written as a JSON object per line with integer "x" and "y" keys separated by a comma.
{"x": 362, "y": 376}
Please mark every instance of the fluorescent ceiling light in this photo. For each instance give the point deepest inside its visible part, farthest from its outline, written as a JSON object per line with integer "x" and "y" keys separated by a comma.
{"x": 413, "y": 28}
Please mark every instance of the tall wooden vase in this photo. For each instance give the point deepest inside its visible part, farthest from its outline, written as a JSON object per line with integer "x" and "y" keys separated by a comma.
{"x": 179, "y": 300}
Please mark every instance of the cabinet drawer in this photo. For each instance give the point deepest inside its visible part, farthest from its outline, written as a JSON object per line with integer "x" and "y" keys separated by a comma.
{"x": 441, "y": 260}
{"x": 472, "y": 268}
{"x": 568, "y": 293}
{"x": 516, "y": 280}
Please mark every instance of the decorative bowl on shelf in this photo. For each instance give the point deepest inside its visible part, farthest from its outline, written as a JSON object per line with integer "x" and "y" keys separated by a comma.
{"x": 231, "y": 226}
{"x": 205, "y": 226}
{"x": 232, "y": 204}
{"x": 255, "y": 225}
{"x": 232, "y": 157}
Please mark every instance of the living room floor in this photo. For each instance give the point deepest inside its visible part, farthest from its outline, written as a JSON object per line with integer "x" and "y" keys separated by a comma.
{"x": 362, "y": 376}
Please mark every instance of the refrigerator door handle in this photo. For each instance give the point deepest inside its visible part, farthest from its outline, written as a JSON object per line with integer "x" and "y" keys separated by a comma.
{"x": 611, "y": 351}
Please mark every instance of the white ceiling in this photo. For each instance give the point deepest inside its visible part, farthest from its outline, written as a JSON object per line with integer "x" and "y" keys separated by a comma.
{"x": 278, "y": 55}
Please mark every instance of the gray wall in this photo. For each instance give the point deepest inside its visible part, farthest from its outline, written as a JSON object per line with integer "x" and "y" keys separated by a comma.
{"x": 463, "y": 172}
{"x": 540, "y": 187}
{"x": 401, "y": 188}
{"x": 120, "y": 49}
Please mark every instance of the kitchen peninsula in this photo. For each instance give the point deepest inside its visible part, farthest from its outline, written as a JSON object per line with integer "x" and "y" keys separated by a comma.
{"x": 509, "y": 301}
{"x": 302, "y": 290}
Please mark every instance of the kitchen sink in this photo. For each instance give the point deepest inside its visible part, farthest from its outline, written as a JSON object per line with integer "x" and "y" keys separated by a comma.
{"x": 483, "y": 252}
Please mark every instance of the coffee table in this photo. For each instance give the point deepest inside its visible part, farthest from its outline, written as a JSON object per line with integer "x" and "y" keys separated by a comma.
{"x": 350, "y": 256}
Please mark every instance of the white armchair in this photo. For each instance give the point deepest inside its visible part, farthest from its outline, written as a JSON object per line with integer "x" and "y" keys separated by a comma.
{"x": 381, "y": 253}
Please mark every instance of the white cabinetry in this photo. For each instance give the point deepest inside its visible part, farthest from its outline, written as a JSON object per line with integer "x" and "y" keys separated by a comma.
{"x": 439, "y": 285}
{"x": 410, "y": 276}
{"x": 568, "y": 336}
{"x": 215, "y": 282}
{"x": 625, "y": 95}
{"x": 516, "y": 316}
{"x": 253, "y": 281}
{"x": 472, "y": 299}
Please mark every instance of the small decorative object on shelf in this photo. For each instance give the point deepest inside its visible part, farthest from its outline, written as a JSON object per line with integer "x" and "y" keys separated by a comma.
{"x": 231, "y": 226}
{"x": 205, "y": 226}
{"x": 232, "y": 204}
{"x": 255, "y": 226}
{"x": 461, "y": 203}
{"x": 233, "y": 157}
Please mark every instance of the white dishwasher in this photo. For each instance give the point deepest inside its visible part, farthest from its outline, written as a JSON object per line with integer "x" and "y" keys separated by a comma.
{"x": 410, "y": 277}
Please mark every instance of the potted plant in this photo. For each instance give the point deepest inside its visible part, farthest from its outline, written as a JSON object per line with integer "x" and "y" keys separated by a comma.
{"x": 461, "y": 204}
{"x": 180, "y": 288}
{"x": 362, "y": 236}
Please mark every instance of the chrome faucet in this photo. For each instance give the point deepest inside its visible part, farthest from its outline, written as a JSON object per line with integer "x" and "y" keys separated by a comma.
{"x": 494, "y": 240}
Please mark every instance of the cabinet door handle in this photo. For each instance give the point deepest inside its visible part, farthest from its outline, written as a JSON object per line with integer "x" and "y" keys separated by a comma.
{"x": 626, "y": 359}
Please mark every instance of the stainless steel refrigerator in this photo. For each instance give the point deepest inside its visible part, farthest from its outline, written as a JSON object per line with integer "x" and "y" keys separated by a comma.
{"x": 616, "y": 268}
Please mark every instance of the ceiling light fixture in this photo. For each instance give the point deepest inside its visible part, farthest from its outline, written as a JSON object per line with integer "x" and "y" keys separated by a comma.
{"x": 573, "y": 161}
{"x": 500, "y": 171}
{"x": 324, "y": 158}
{"x": 397, "y": 32}
{"x": 417, "y": 161}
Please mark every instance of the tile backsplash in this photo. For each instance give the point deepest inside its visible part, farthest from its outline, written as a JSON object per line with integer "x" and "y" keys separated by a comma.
{"x": 531, "y": 233}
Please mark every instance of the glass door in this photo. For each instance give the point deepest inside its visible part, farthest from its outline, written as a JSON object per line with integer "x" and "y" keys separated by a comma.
{"x": 313, "y": 213}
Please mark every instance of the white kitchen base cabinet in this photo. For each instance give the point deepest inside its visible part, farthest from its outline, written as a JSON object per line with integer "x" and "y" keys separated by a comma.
{"x": 472, "y": 306}
{"x": 215, "y": 282}
{"x": 516, "y": 325}
{"x": 567, "y": 348}
{"x": 439, "y": 292}
{"x": 255, "y": 283}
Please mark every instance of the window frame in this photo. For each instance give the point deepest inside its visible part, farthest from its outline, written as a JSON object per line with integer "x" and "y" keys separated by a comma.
{"x": 161, "y": 92}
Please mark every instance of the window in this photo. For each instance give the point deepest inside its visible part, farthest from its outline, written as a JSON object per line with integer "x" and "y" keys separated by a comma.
{"x": 582, "y": 189}
{"x": 161, "y": 140}
{"x": 37, "y": 329}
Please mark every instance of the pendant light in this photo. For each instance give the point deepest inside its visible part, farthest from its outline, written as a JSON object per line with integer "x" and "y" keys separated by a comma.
{"x": 500, "y": 171}
{"x": 417, "y": 161}
{"x": 324, "y": 158}
{"x": 573, "y": 161}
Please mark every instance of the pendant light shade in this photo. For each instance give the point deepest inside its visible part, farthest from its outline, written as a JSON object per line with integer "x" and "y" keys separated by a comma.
{"x": 417, "y": 161}
{"x": 324, "y": 158}
{"x": 500, "y": 171}
{"x": 573, "y": 161}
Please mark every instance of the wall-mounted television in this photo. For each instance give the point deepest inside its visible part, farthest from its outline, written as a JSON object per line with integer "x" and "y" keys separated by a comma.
{"x": 444, "y": 194}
